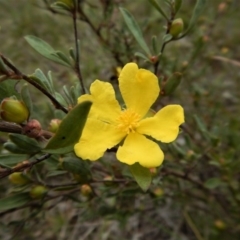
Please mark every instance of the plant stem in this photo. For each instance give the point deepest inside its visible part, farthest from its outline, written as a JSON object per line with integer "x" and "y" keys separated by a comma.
{"x": 77, "y": 61}
{"x": 24, "y": 166}
{"x": 19, "y": 75}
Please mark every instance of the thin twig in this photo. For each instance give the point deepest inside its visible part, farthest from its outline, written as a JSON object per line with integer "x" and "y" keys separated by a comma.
{"x": 15, "y": 128}
{"x": 77, "y": 61}
{"x": 19, "y": 75}
{"x": 24, "y": 166}
{"x": 192, "y": 226}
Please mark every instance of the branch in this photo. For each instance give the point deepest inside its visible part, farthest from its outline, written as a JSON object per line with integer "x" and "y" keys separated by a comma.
{"x": 19, "y": 75}
{"x": 77, "y": 61}
{"x": 24, "y": 166}
{"x": 15, "y": 128}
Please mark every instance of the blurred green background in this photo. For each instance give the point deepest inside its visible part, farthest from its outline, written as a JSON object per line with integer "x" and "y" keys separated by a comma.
{"x": 196, "y": 195}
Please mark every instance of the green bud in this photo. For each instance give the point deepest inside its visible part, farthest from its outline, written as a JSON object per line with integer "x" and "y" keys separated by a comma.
{"x": 38, "y": 192}
{"x": 18, "y": 178}
{"x": 176, "y": 27}
{"x": 219, "y": 224}
{"x": 12, "y": 110}
{"x": 86, "y": 190}
{"x": 54, "y": 125}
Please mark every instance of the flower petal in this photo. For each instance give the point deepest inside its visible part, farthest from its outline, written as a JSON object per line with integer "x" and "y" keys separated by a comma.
{"x": 139, "y": 88}
{"x": 96, "y": 138}
{"x": 105, "y": 106}
{"x": 137, "y": 148}
{"x": 164, "y": 126}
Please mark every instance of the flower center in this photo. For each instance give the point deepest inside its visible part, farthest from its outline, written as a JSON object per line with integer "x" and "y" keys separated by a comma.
{"x": 128, "y": 121}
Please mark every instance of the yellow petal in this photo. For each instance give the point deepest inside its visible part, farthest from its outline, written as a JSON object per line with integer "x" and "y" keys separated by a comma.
{"x": 164, "y": 126}
{"x": 96, "y": 138}
{"x": 139, "y": 88}
{"x": 137, "y": 148}
{"x": 105, "y": 106}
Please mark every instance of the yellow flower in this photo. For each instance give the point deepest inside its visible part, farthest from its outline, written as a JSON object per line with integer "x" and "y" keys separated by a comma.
{"x": 108, "y": 124}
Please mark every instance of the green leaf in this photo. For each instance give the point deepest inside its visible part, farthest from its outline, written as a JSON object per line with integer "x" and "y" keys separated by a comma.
{"x": 43, "y": 80}
{"x": 25, "y": 143}
{"x": 142, "y": 176}
{"x": 44, "y": 49}
{"x": 178, "y": 4}
{"x": 196, "y": 13}
{"x": 26, "y": 97}
{"x": 157, "y": 6}
{"x": 78, "y": 167}
{"x": 60, "y": 98}
{"x": 62, "y": 56}
{"x": 12, "y": 159}
{"x": 141, "y": 55}
{"x": 135, "y": 30}
{"x": 167, "y": 38}
{"x": 213, "y": 183}
{"x": 14, "y": 201}
{"x": 70, "y": 129}
{"x": 7, "y": 89}
{"x": 13, "y": 148}
{"x": 200, "y": 124}
{"x": 154, "y": 45}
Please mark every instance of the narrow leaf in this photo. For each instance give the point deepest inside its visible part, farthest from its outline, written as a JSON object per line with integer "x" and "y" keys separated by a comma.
{"x": 141, "y": 55}
{"x": 178, "y": 4}
{"x": 14, "y": 201}
{"x": 12, "y": 159}
{"x": 70, "y": 129}
{"x": 213, "y": 183}
{"x": 25, "y": 143}
{"x": 142, "y": 176}
{"x": 26, "y": 97}
{"x": 135, "y": 30}
{"x": 157, "y": 6}
{"x": 44, "y": 49}
{"x": 196, "y": 13}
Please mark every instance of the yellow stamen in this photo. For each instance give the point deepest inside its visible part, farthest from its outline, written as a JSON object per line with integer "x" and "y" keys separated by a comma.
{"x": 128, "y": 121}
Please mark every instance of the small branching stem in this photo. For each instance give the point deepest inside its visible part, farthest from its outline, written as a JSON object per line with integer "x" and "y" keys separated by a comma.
{"x": 18, "y": 75}
{"x": 23, "y": 166}
{"x": 77, "y": 61}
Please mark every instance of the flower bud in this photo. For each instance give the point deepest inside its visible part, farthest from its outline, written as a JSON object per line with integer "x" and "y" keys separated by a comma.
{"x": 108, "y": 180}
{"x": 12, "y": 110}
{"x": 86, "y": 190}
{"x": 219, "y": 224}
{"x": 153, "y": 171}
{"x": 32, "y": 129}
{"x": 38, "y": 192}
{"x": 54, "y": 125}
{"x": 18, "y": 178}
{"x": 158, "y": 192}
{"x": 176, "y": 27}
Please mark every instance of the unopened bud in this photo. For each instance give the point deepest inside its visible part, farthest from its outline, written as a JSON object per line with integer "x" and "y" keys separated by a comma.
{"x": 13, "y": 110}
{"x": 38, "y": 192}
{"x": 222, "y": 7}
{"x": 54, "y": 125}
{"x": 176, "y": 27}
{"x": 219, "y": 224}
{"x": 32, "y": 129}
{"x": 158, "y": 192}
{"x": 108, "y": 180}
{"x": 153, "y": 171}
{"x": 154, "y": 59}
{"x": 86, "y": 190}
{"x": 18, "y": 178}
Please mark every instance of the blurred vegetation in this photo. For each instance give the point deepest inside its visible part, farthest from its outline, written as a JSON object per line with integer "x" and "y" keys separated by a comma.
{"x": 195, "y": 194}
